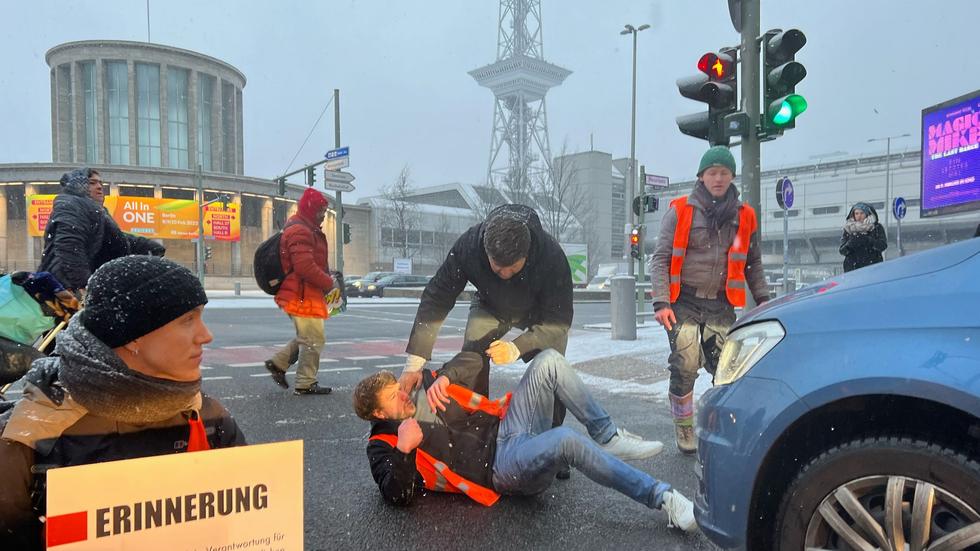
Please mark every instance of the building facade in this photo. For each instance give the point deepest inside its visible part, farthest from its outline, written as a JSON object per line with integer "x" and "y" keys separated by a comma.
{"x": 156, "y": 122}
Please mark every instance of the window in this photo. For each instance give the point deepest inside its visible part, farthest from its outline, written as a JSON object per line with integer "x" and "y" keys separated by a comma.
{"x": 16, "y": 202}
{"x": 878, "y": 205}
{"x": 65, "y": 104}
{"x": 148, "y": 114}
{"x": 135, "y": 191}
{"x": 117, "y": 98}
{"x": 177, "y": 117}
{"x": 826, "y": 210}
{"x": 90, "y": 115}
{"x": 205, "y": 102}
{"x": 227, "y": 127}
{"x": 791, "y": 213}
{"x": 178, "y": 193}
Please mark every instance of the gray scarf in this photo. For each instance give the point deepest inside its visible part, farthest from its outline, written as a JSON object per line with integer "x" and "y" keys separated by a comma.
{"x": 97, "y": 378}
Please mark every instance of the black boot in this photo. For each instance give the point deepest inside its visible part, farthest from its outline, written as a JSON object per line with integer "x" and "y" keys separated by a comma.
{"x": 278, "y": 375}
{"x": 315, "y": 388}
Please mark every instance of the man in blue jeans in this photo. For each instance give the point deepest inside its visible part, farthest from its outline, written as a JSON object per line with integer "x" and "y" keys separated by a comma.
{"x": 452, "y": 439}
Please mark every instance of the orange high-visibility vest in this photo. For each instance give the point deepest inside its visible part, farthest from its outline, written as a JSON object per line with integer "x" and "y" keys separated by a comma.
{"x": 436, "y": 475}
{"x": 738, "y": 253}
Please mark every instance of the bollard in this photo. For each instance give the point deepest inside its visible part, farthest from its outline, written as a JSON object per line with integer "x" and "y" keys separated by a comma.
{"x": 238, "y": 288}
{"x": 622, "y": 305}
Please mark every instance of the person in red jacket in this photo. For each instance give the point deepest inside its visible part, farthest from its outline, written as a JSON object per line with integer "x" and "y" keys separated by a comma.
{"x": 303, "y": 251}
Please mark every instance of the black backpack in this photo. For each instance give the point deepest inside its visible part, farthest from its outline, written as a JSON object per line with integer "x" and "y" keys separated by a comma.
{"x": 267, "y": 266}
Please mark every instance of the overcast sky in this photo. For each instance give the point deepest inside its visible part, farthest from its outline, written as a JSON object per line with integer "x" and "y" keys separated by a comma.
{"x": 406, "y": 97}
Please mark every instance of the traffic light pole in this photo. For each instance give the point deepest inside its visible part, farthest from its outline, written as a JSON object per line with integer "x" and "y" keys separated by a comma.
{"x": 340, "y": 204}
{"x": 751, "y": 184}
{"x": 199, "y": 180}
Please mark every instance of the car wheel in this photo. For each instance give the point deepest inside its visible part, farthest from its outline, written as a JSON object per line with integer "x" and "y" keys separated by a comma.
{"x": 891, "y": 493}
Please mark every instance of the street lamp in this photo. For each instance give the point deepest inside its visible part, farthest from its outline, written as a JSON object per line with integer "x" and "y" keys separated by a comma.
{"x": 888, "y": 173}
{"x": 631, "y": 30}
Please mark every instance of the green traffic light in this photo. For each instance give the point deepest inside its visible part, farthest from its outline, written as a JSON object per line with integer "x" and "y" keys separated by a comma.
{"x": 786, "y": 109}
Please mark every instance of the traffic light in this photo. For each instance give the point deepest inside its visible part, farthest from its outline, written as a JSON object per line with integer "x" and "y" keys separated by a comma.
{"x": 650, "y": 204}
{"x": 208, "y": 253}
{"x": 636, "y": 241}
{"x": 282, "y": 186}
{"x": 717, "y": 86}
{"x": 781, "y": 73}
{"x": 311, "y": 176}
{"x": 346, "y": 233}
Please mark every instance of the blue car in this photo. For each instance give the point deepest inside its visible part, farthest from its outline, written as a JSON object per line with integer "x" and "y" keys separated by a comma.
{"x": 846, "y": 415}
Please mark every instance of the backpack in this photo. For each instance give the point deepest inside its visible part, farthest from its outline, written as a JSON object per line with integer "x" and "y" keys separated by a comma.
{"x": 267, "y": 265}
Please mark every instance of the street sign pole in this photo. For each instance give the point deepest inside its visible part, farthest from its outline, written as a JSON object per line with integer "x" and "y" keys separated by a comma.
{"x": 339, "y": 243}
{"x": 784, "y": 196}
{"x": 749, "y": 23}
{"x": 899, "y": 209}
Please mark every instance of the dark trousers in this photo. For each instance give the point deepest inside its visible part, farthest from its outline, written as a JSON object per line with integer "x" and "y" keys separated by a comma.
{"x": 482, "y": 328}
{"x": 696, "y": 339}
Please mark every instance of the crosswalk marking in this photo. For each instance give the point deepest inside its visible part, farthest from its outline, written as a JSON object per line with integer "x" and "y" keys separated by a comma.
{"x": 241, "y": 346}
{"x": 221, "y": 378}
{"x": 248, "y": 364}
{"x": 386, "y": 366}
{"x": 340, "y": 369}
{"x": 360, "y": 358}
{"x": 340, "y": 342}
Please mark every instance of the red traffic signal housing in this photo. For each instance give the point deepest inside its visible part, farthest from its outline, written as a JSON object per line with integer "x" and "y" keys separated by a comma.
{"x": 717, "y": 66}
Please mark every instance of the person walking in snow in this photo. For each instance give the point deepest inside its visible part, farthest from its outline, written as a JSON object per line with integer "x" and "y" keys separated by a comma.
{"x": 125, "y": 382}
{"x": 863, "y": 239}
{"x": 707, "y": 258}
{"x": 303, "y": 253}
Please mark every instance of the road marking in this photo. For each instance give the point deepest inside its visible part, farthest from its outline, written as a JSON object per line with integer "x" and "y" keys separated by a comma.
{"x": 242, "y": 346}
{"x": 249, "y": 364}
{"x": 206, "y": 367}
{"x": 389, "y": 365}
{"x": 341, "y": 342}
{"x": 340, "y": 369}
{"x": 360, "y": 358}
{"x": 222, "y": 378}
{"x": 267, "y": 374}
{"x": 378, "y": 340}
{"x": 325, "y": 360}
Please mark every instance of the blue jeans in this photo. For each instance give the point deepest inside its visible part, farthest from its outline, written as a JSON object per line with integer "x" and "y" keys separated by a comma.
{"x": 530, "y": 452}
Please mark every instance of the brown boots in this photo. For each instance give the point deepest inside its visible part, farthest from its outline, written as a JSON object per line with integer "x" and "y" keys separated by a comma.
{"x": 682, "y": 409}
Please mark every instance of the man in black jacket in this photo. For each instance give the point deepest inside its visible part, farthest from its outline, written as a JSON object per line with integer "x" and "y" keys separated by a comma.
{"x": 522, "y": 280}
{"x": 125, "y": 383}
{"x": 454, "y": 440}
{"x": 80, "y": 235}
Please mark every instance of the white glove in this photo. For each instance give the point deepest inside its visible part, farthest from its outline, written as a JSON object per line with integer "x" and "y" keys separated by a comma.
{"x": 413, "y": 363}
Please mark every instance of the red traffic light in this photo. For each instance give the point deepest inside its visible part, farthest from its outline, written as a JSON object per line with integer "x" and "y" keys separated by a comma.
{"x": 635, "y": 237}
{"x": 716, "y": 66}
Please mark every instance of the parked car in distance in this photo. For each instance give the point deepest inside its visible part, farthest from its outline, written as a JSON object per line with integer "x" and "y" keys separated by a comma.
{"x": 846, "y": 415}
{"x": 377, "y": 289}
{"x": 355, "y": 287}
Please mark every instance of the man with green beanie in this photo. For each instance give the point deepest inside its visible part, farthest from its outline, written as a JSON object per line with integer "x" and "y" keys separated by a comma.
{"x": 707, "y": 256}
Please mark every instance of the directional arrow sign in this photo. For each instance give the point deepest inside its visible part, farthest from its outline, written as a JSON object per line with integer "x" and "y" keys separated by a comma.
{"x": 337, "y": 176}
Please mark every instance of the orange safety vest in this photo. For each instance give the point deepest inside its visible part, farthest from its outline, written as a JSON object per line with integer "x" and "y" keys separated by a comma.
{"x": 738, "y": 253}
{"x": 436, "y": 475}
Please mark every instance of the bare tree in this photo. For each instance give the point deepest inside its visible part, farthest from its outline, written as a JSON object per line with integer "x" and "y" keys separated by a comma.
{"x": 443, "y": 238}
{"x": 591, "y": 235}
{"x": 401, "y": 214}
{"x": 563, "y": 201}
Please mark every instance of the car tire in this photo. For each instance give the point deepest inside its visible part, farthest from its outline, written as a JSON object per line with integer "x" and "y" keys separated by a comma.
{"x": 820, "y": 498}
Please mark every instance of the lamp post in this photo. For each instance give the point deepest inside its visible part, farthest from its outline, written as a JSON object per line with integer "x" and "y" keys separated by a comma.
{"x": 888, "y": 173}
{"x": 631, "y": 30}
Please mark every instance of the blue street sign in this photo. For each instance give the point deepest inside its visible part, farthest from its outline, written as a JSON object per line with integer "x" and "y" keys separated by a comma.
{"x": 784, "y": 193}
{"x": 899, "y": 208}
{"x": 338, "y": 153}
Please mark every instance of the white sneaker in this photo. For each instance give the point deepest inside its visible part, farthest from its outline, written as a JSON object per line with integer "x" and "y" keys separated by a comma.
{"x": 680, "y": 511}
{"x": 630, "y": 447}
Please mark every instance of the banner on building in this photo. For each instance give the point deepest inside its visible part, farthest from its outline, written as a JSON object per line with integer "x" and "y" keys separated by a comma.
{"x": 152, "y": 218}
{"x": 250, "y": 497}
{"x": 578, "y": 261}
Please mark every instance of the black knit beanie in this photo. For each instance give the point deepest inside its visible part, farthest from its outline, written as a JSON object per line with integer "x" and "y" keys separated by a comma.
{"x": 131, "y": 296}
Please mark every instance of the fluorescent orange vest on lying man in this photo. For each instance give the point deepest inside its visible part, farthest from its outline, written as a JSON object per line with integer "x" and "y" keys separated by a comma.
{"x": 436, "y": 475}
{"x": 738, "y": 253}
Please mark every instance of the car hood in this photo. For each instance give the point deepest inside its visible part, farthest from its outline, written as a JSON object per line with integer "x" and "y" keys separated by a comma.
{"x": 914, "y": 265}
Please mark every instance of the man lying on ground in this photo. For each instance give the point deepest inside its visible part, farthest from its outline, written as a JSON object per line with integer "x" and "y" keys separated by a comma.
{"x": 454, "y": 440}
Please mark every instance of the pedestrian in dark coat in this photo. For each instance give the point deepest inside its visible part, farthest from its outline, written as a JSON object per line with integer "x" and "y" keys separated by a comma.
{"x": 125, "y": 383}
{"x": 80, "y": 235}
{"x": 863, "y": 239}
{"x": 303, "y": 253}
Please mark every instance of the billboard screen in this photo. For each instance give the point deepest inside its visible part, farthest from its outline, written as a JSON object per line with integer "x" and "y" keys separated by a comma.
{"x": 950, "y": 181}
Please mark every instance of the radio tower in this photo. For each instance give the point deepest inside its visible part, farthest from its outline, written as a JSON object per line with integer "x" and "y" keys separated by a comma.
{"x": 519, "y": 79}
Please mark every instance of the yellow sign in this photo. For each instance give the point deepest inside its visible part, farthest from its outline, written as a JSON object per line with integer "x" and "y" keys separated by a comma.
{"x": 152, "y": 218}
{"x": 249, "y": 497}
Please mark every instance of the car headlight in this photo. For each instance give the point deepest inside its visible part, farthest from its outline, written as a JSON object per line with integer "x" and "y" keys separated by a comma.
{"x": 745, "y": 347}
{"x": 372, "y": 287}
{"x": 357, "y": 284}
